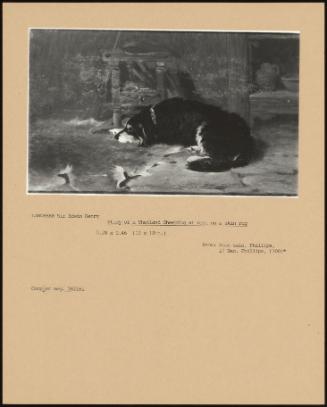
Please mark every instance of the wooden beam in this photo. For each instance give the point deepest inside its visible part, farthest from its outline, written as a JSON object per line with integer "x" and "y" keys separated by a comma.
{"x": 160, "y": 73}
{"x": 273, "y": 36}
{"x": 115, "y": 92}
{"x": 237, "y": 74}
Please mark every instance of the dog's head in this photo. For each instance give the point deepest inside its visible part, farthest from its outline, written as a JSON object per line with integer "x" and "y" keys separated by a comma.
{"x": 137, "y": 130}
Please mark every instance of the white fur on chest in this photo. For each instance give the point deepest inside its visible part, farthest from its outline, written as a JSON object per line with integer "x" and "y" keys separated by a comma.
{"x": 199, "y": 137}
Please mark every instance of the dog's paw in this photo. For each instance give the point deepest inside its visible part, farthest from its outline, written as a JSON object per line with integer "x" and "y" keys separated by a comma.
{"x": 173, "y": 150}
{"x": 194, "y": 158}
{"x": 114, "y": 131}
{"x": 193, "y": 149}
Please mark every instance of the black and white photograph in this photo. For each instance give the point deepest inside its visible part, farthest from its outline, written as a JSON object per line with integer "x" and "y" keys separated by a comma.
{"x": 163, "y": 112}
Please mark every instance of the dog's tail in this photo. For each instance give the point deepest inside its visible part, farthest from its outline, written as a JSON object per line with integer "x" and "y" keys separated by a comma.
{"x": 209, "y": 164}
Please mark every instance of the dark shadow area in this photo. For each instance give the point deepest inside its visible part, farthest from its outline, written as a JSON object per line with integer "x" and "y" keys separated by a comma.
{"x": 187, "y": 86}
{"x": 259, "y": 150}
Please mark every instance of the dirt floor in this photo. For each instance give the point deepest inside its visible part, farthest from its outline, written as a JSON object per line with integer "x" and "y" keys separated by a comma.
{"x": 160, "y": 169}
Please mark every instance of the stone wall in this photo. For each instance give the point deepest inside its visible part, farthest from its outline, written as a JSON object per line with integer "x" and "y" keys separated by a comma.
{"x": 81, "y": 82}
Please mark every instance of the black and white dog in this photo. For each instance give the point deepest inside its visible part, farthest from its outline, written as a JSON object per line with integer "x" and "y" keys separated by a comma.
{"x": 221, "y": 139}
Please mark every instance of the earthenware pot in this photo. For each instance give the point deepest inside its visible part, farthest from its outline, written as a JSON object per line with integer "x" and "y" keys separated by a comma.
{"x": 267, "y": 76}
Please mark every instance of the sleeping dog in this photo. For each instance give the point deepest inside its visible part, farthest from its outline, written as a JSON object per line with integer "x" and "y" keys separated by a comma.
{"x": 221, "y": 139}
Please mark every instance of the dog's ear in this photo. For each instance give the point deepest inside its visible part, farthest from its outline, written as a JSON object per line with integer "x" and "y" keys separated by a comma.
{"x": 142, "y": 110}
{"x": 144, "y": 133}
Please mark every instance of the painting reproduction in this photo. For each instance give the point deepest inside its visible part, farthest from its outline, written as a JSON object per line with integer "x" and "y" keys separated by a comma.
{"x": 163, "y": 112}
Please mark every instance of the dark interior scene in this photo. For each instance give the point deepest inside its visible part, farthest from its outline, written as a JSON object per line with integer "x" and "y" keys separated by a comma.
{"x": 85, "y": 84}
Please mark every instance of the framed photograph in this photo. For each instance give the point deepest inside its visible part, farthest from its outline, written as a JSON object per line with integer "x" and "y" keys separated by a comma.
{"x": 163, "y": 112}
{"x": 163, "y": 203}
